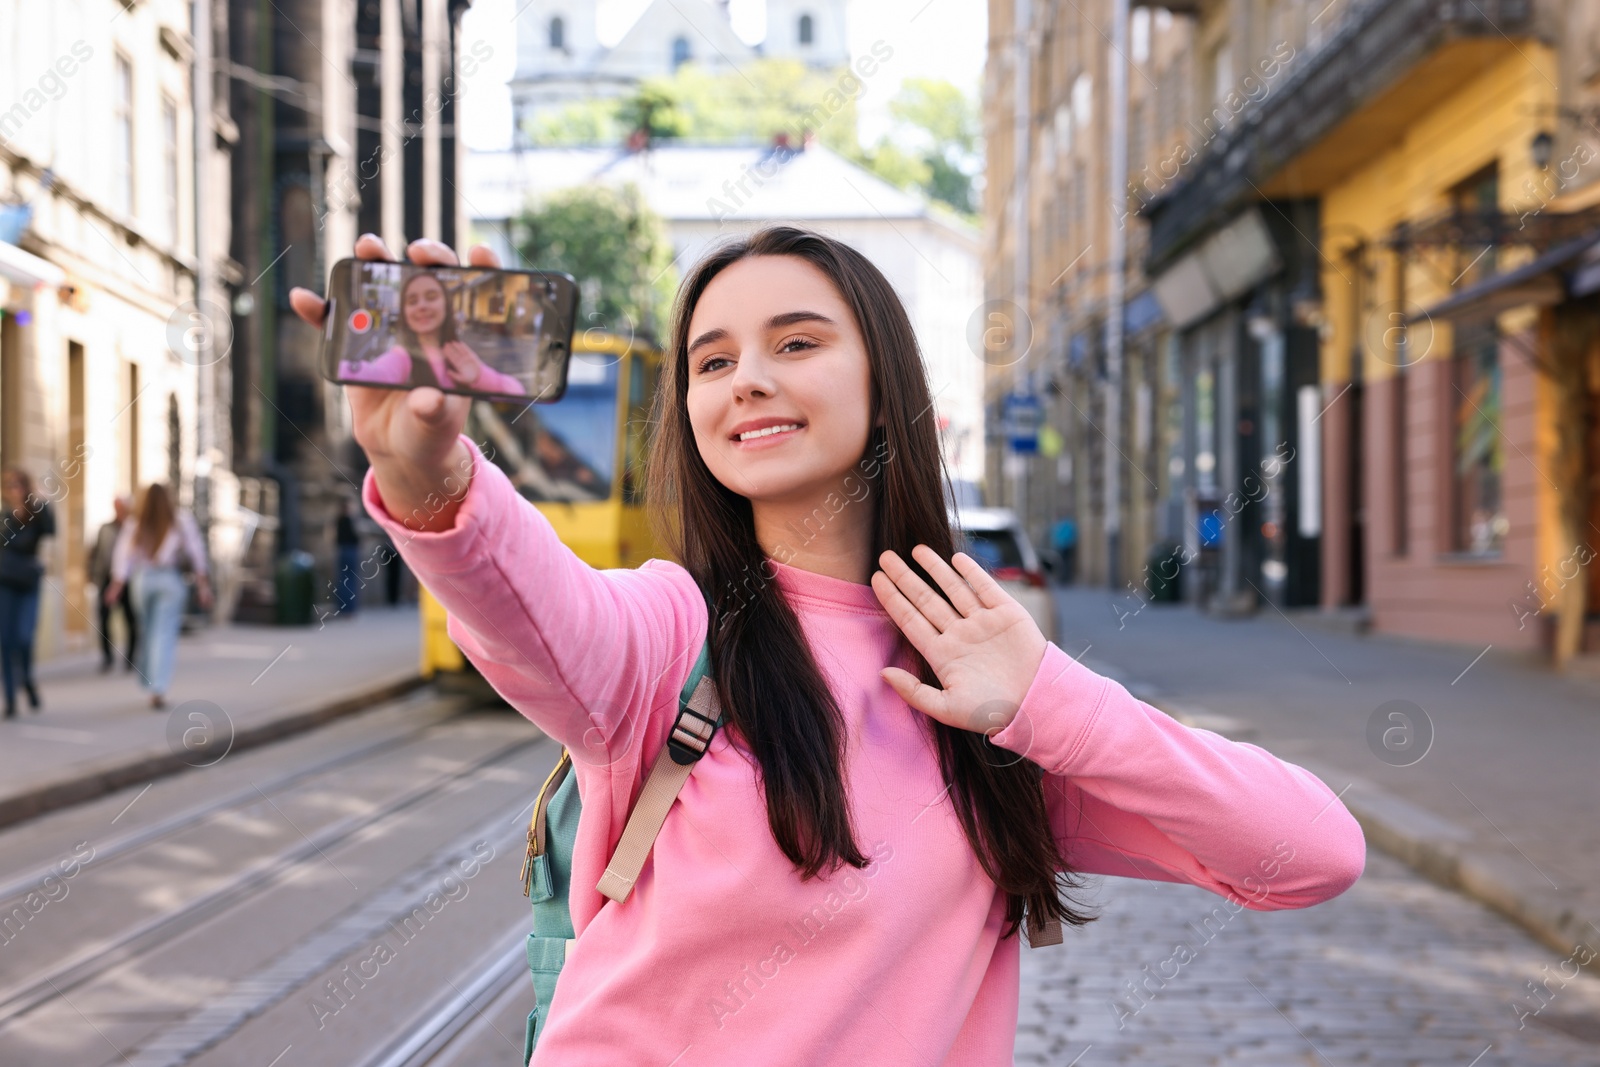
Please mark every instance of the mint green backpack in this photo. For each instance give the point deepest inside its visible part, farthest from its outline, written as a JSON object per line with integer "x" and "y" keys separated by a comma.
{"x": 553, "y": 830}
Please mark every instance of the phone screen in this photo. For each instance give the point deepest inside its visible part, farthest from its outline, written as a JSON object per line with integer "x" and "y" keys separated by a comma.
{"x": 475, "y": 331}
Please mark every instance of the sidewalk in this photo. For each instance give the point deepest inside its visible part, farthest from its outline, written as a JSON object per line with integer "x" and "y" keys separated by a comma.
{"x": 234, "y": 686}
{"x": 1501, "y": 806}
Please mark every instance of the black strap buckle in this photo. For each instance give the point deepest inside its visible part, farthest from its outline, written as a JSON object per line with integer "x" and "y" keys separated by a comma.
{"x": 689, "y": 740}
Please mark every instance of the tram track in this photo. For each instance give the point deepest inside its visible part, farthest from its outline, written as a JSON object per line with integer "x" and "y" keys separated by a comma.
{"x": 95, "y": 959}
{"x": 19, "y": 885}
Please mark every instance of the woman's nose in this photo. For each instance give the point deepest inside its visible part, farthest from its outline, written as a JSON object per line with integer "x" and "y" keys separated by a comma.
{"x": 752, "y": 378}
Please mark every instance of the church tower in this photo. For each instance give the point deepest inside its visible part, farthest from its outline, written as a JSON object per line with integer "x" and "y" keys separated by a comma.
{"x": 556, "y": 46}
{"x": 812, "y": 31}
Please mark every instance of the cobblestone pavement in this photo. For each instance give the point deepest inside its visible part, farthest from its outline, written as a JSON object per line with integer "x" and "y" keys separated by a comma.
{"x": 1395, "y": 971}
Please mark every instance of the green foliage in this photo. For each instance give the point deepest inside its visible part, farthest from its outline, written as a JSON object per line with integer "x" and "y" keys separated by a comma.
{"x": 762, "y": 99}
{"x": 934, "y": 147}
{"x": 614, "y": 245}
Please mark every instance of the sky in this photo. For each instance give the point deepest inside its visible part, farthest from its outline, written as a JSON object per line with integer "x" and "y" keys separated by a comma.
{"x": 930, "y": 39}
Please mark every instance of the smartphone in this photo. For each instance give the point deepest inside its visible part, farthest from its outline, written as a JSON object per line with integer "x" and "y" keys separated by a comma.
{"x": 501, "y": 335}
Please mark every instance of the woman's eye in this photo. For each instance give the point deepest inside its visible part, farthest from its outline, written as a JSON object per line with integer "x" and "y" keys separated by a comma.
{"x": 705, "y": 365}
{"x": 802, "y": 342}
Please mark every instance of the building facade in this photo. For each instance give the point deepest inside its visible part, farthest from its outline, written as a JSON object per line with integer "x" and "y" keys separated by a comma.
{"x": 105, "y": 356}
{"x": 1449, "y": 153}
{"x": 344, "y": 119}
{"x": 1367, "y": 234}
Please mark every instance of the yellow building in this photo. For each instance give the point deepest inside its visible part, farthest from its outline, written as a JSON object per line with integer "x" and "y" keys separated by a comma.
{"x": 1450, "y": 155}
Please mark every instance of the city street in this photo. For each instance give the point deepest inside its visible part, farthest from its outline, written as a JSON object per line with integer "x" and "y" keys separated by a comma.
{"x": 1395, "y": 971}
{"x": 1253, "y": 344}
{"x": 349, "y": 896}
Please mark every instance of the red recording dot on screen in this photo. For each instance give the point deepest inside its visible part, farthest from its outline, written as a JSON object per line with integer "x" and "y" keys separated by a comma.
{"x": 360, "y": 321}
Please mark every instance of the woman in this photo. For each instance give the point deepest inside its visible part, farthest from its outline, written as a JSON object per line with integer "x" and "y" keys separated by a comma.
{"x": 888, "y": 708}
{"x": 24, "y": 522}
{"x": 146, "y": 559}
{"x": 428, "y": 352}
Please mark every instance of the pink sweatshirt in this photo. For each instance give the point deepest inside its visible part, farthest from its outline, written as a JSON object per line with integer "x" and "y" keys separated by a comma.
{"x": 394, "y": 368}
{"x": 722, "y": 956}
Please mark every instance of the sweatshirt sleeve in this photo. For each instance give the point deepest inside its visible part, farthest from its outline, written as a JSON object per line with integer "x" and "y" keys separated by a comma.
{"x": 493, "y": 381}
{"x": 1133, "y": 792}
{"x": 580, "y": 652}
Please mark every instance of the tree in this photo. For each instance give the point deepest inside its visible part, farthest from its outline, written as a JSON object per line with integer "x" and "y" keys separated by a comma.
{"x": 755, "y": 103}
{"x": 614, "y": 245}
{"x": 934, "y": 146}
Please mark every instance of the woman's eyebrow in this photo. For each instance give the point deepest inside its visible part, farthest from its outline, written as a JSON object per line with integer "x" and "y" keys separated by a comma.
{"x": 789, "y": 318}
{"x": 785, "y": 318}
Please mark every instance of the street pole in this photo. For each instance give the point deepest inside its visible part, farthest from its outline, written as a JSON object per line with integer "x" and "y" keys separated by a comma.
{"x": 205, "y": 269}
{"x": 1119, "y": 256}
{"x": 1022, "y": 282}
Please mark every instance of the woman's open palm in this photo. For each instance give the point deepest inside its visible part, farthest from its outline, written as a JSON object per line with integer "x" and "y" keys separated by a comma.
{"x": 985, "y": 650}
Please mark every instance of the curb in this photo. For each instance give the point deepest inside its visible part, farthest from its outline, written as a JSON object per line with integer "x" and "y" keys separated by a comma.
{"x": 1435, "y": 848}
{"x": 157, "y": 761}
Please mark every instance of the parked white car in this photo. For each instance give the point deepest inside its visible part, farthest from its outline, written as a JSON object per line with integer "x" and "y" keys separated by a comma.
{"x": 996, "y": 539}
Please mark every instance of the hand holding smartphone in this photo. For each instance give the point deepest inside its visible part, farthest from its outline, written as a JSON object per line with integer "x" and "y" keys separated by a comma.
{"x": 410, "y": 435}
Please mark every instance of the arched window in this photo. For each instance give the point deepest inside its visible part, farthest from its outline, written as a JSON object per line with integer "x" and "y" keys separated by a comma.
{"x": 680, "y": 52}
{"x": 805, "y": 29}
{"x": 558, "y": 32}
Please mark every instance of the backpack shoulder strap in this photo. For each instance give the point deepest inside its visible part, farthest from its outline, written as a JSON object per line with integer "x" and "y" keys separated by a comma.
{"x": 699, "y": 714}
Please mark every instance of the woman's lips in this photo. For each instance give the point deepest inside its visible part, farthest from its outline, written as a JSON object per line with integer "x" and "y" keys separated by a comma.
{"x": 766, "y": 441}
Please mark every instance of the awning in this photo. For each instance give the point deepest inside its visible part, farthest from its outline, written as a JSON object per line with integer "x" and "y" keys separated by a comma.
{"x": 1568, "y": 271}
{"x": 1227, "y": 264}
{"x": 25, "y": 268}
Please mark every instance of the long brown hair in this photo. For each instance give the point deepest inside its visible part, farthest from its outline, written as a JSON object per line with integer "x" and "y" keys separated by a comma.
{"x": 153, "y": 517}
{"x": 772, "y": 692}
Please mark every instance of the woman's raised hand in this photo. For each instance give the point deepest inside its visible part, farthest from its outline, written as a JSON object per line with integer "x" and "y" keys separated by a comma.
{"x": 410, "y": 436}
{"x": 985, "y": 650}
{"x": 464, "y": 365}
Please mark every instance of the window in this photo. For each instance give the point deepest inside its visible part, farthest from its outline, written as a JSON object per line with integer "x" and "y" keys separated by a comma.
{"x": 805, "y": 30}
{"x": 169, "y": 169}
{"x": 1476, "y": 203}
{"x": 1479, "y": 518}
{"x": 122, "y": 136}
{"x": 558, "y": 33}
{"x": 680, "y": 52}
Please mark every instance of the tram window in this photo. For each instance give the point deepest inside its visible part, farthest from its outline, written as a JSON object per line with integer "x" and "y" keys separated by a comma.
{"x": 560, "y": 451}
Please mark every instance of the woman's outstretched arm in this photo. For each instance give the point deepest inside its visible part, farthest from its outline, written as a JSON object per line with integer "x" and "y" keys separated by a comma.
{"x": 581, "y": 652}
{"x": 1133, "y": 792}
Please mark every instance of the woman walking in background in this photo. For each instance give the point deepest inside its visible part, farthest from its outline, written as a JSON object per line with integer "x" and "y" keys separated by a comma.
{"x": 146, "y": 559}
{"x": 26, "y": 521}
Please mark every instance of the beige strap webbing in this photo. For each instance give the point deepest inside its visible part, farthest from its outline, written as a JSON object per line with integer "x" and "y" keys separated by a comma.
{"x": 660, "y": 790}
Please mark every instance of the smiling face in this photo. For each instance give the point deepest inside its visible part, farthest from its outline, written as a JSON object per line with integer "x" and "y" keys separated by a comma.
{"x": 423, "y": 304}
{"x": 772, "y": 344}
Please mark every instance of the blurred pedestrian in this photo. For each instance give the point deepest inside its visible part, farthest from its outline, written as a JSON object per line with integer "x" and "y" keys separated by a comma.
{"x": 146, "y": 560}
{"x": 100, "y": 576}
{"x": 348, "y": 542}
{"x": 27, "y": 520}
{"x": 1064, "y": 541}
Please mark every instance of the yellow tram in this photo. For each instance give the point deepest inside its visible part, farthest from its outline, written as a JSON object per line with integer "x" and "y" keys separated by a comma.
{"x": 579, "y": 460}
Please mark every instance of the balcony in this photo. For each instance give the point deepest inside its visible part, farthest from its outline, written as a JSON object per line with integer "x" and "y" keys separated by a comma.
{"x": 1389, "y": 63}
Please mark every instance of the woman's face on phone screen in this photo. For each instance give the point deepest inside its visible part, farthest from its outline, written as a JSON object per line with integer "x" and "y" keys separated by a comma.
{"x": 424, "y": 305}
{"x": 772, "y": 341}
